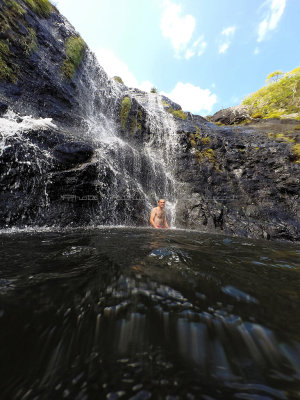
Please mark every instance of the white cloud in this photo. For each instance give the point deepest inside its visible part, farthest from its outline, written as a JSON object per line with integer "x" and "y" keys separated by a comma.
{"x": 192, "y": 98}
{"x": 189, "y": 54}
{"x": 223, "y": 48}
{"x": 179, "y": 29}
{"x": 229, "y": 31}
{"x": 227, "y": 34}
{"x": 198, "y": 47}
{"x": 113, "y": 66}
{"x": 256, "y": 51}
{"x": 272, "y": 18}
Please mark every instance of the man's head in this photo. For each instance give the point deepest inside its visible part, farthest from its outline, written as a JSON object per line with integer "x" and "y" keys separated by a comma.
{"x": 161, "y": 203}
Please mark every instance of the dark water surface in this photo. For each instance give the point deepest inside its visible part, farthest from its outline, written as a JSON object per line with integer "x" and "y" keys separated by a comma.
{"x": 140, "y": 313}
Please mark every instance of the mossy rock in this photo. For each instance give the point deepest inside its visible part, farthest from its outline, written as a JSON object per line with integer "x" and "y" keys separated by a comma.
{"x": 42, "y": 8}
{"x": 206, "y": 154}
{"x": 15, "y": 7}
{"x": 19, "y": 36}
{"x": 75, "y": 47}
{"x": 118, "y": 79}
{"x": 296, "y": 152}
{"x": 125, "y": 108}
{"x": 8, "y": 70}
{"x": 205, "y": 140}
{"x": 176, "y": 113}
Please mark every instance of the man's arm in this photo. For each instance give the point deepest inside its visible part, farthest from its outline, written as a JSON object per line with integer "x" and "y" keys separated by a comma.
{"x": 152, "y": 215}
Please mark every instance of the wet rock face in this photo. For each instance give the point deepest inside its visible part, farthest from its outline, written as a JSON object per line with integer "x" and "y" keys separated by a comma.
{"x": 239, "y": 182}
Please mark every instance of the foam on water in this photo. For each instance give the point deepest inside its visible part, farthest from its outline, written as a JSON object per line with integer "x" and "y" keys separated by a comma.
{"x": 12, "y": 123}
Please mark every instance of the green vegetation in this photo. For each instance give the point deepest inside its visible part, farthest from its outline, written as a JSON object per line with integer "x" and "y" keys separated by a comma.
{"x": 198, "y": 130}
{"x": 205, "y": 140}
{"x": 136, "y": 122}
{"x": 193, "y": 140}
{"x": 15, "y": 7}
{"x": 7, "y": 71}
{"x": 30, "y": 42}
{"x": 12, "y": 17}
{"x": 153, "y": 90}
{"x": 42, "y": 8}
{"x": 274, "y": 76}
{"x": 75, "y": 47}
{"x": 177, "y": 113}
{"x": 296, "y": 151}
{"x": 118, "y": 79}
{"x": 281, "y": 137}
{"x": 125, "y": 108}
{"x": 281, "y": 96}
{"x": 207, "y": 154}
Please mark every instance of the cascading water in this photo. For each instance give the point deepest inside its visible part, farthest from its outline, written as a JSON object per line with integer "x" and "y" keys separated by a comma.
{"x": 89, "y": 174}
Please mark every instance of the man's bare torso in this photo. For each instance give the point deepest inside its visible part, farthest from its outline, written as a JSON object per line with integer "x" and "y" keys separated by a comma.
{"x": 159, "y": 216}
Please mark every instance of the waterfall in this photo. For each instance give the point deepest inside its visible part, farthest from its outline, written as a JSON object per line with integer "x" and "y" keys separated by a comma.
{"x": 92, "y": 172}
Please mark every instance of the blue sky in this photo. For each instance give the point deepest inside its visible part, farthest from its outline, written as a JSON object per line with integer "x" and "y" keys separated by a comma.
{"x": 203, "y": 54}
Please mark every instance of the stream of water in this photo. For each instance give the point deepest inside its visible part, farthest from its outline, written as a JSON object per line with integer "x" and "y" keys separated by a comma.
{"x": 133, "y": 313}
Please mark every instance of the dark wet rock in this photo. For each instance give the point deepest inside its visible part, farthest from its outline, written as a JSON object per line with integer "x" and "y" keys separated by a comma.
{"x": 3, "y": 108}
{"x": 73, "y": 153}
{"x": 239, "y": 182}
{"x": 231, "y": 115}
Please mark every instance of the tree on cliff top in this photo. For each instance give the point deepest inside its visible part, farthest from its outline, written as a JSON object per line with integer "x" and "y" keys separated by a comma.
{"x": 280, "y": 96}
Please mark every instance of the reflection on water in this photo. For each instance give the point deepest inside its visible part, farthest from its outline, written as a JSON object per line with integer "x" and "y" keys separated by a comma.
{"x": 136, "y": 313}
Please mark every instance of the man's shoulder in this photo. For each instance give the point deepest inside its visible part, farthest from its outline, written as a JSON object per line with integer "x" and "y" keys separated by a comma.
{"x": 154, "y": 209}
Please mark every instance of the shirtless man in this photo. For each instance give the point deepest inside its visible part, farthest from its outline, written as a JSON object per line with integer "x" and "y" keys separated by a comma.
{"x": 158, "y": 216}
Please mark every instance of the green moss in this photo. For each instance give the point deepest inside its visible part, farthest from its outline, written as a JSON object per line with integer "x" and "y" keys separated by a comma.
{"x": 125, "y": 108}
{"x": 118, "y": 79}
{"x": 207, "y": 154}
{"x": 296, "y": 151}
{"x": 12, "y": 15}
{"x": 75, "y": 47}
{"x": 30, "y": 42}
{"x": 281, "y": 137}
{"x": 8, "y": 72}
{"x": 205, "y": 140}
{"x": 42, "y": 8}
{"x": 15, "y": 7}
{"x": 297, "y": 127}
{"x": 177, "y": 113}
{"x": 285, "y": 138}
{"x": 192, "y": 140}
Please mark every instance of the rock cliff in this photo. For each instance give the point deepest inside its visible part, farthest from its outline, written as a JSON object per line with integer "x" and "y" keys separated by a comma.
{"x": 77, "y": 148}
